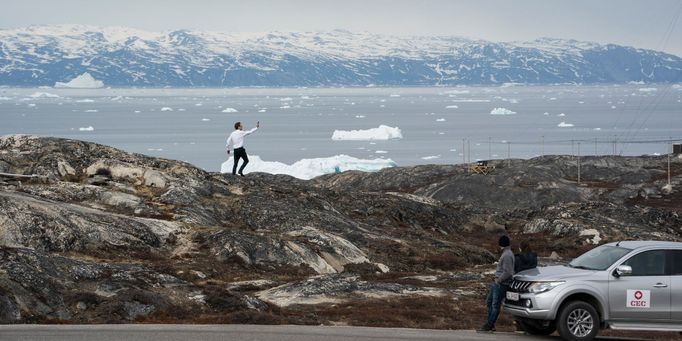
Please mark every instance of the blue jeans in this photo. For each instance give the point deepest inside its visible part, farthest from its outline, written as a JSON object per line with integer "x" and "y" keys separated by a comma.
{"x": 494, "y": 300}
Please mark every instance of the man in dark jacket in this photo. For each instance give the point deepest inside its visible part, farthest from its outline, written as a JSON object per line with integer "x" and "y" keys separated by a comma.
{"x": 525, "y": 260}
{"x": 498, "y": 289}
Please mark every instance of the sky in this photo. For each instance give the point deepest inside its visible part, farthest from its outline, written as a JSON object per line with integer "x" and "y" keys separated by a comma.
{"x": 640, "y": 23}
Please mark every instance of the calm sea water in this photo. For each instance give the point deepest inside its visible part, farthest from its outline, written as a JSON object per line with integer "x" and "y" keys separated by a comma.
{"x": 190, "y": 125}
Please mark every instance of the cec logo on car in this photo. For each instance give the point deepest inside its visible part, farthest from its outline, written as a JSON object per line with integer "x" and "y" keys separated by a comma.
{"x": 638, "y": 299}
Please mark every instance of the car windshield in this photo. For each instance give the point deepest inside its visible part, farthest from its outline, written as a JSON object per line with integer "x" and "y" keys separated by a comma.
{"x": 599, "y": 258}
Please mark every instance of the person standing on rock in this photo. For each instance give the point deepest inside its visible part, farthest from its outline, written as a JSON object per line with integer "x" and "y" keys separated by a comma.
{"x": 498, "y": 289}
{"x": 236, "y": 141}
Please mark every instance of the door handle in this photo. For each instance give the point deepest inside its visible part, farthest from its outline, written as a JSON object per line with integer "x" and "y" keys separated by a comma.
{"x": 660, "y": 285}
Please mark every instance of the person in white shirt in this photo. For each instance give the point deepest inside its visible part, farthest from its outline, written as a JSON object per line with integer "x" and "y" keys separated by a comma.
{"x": 236, "y": 141}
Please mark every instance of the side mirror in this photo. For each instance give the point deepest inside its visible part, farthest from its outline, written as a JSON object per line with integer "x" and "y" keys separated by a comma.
{"x": 623, "y": 270}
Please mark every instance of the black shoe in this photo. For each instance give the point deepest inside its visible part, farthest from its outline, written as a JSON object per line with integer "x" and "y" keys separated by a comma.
{"x": 242, "y": 174}
{"x": 485, "y": 329}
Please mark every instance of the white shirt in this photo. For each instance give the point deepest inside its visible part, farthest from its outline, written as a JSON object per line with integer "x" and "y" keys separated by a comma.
{"x": 236, "y": 139}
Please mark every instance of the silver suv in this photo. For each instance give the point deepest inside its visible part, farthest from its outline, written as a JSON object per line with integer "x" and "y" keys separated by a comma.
{"x": 629, "y": 285}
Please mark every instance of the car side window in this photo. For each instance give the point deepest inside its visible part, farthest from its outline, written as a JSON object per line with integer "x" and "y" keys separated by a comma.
{"x": 675, "y": 260}
{"x": 648, "y": 263}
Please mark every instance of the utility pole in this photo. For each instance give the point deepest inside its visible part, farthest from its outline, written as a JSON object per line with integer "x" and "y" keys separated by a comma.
{"x": 578, "y": 163}
{"x": 669, "y": 154}
{"x": 573, "y": 147}
{"x": 509, "y": 154}
{"x": 490, "y": 148}
{"x": 469, "y": 151}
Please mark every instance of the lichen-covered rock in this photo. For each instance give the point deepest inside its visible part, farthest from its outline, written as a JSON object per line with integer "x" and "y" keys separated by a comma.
{"x": 105, "y": 236}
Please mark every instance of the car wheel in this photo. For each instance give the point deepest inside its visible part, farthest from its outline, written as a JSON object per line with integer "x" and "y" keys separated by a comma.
{"x": 578, "y": 321}
{"x": 536, "y": 327}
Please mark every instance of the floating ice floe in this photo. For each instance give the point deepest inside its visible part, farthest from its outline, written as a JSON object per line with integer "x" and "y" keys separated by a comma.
{"x": 564, "y": 125}
{"x": 43, "y": 95}
{"x": 205, "y": 119}
{"x": 546, "y": 113}
{"x": 285, "y": 107}
{"x": 452, "y": 107}
{"x": 647, "y": 89}
{"x": 597, "y": 129}
{"x": 552, "y": 98}
{"x": 90, "y": 128}
{"x": 262, "y": 110}
{"x": 359, "y": 116}
{"x": 440, "y": 120}
{"x": 561, "y": 115}
{"x": 457, "y": 92}
{"x": 31, "y": 104}
{"x": 502, "y": 111}
{"x": 91, "y": 110}
{"x": 310, "y": 168}
{"x": 4, "y": 98}
{"x": 166, "y": 109}
{"x": 86, "y": 100}
{"x": 383, "y": 132}
{"x": 393, "y": 95}
{"x": 381, "y": 152}
{"x": 84, "y": 81}
{"x": 613, "y": 107}
{"x": 471, "y": 100}
{"x": 431, "y": 157}
{"x": 229, "y": 110}
{"x": 285, "y": 99}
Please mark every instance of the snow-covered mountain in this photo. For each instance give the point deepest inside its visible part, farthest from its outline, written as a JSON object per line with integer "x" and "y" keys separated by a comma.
{"x": 119, "y": 56}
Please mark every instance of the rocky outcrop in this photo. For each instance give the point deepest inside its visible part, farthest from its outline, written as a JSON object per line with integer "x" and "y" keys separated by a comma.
{"x": 101, "y": 235}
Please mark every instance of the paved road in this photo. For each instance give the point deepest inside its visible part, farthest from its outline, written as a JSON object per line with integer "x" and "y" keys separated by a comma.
{"x": 241, "y": 333}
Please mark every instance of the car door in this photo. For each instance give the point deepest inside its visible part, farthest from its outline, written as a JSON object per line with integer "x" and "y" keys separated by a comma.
{"x": 644, "y": 295}
{"x": 675, "y": 259}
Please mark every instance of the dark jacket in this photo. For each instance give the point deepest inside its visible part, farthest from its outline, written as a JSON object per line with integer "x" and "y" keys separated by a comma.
{"x": 525, "y": 261}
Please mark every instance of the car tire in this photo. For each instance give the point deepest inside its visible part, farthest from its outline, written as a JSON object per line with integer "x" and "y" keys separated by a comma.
{"x": 578, "y": 321}
{"x": 536, "y": 327}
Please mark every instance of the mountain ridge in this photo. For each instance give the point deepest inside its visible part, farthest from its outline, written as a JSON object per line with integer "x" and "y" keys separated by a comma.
{"x": 121, "y": 56}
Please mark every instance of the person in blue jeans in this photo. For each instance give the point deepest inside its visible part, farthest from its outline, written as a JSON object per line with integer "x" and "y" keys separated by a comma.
{"x": 498, "y": 289}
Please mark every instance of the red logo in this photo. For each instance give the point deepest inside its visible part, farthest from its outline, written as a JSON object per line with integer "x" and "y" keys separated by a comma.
{"x": 638, "y": 295}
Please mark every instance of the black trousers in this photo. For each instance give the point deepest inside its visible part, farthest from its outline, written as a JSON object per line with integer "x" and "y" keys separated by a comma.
{"x": 239, "y": 153}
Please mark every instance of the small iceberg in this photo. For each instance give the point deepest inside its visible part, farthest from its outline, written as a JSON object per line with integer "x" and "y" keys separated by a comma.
{"x": 309, "y": 168}
{"x": 84, "y": 81}
{"x": 502, "y": 111}
{"x": 564, "y": 125}
{"x": 383, "y": 132}
{"x": 229, "y": 110}
{"x": 166, "y": 109}
{"x": 43, "y": 95}
{"x": 90, "y": 128}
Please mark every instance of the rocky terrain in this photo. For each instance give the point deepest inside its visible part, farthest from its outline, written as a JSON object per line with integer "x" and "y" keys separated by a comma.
{"x": 92, "y": 234}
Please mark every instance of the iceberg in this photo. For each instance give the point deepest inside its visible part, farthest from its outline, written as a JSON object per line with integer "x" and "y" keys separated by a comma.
{"x": 647, "y": 89}
{"x": 229, "y": 110}
{"x": 84, "y": 81}
{"x": 502, "y": 111}
{"x": 451, "y": 107}
{"x": 564, "y": 125}
{"x": 90, "y": 128}
{"x": 166, "y": 109}
{"x": 43, "y": 94}
{"x": 309, "y": 168}
{"x": 383, "y": 132}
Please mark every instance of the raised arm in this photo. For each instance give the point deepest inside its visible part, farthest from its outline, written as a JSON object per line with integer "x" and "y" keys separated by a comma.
{"x": 248, "y": 132}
